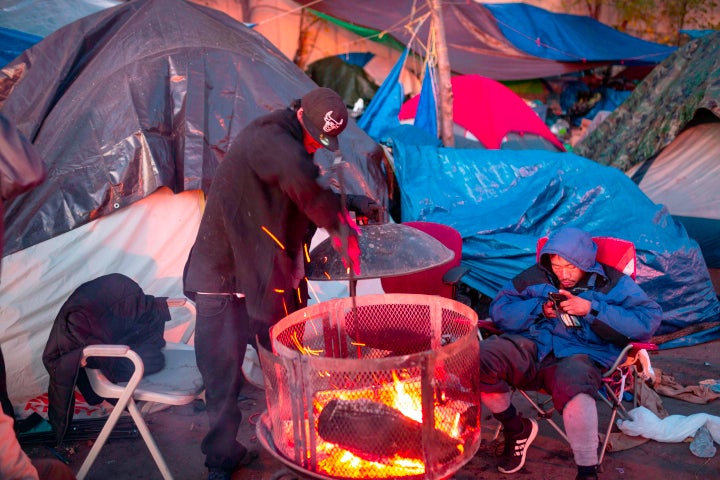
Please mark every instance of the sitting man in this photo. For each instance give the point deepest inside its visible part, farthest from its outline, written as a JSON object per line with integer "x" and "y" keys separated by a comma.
{"x": 538, "y": 352}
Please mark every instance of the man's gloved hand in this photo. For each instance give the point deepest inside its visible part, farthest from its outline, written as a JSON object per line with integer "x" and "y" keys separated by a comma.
{"x": 364, "y": 207}
{"x": 346, "y": 243}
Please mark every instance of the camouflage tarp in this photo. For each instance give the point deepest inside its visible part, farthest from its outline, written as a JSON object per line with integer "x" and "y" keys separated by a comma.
{"x": 660, "y": 107}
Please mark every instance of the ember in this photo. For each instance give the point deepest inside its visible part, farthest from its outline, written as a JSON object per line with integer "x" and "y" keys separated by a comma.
{"x": 341, "y": 407}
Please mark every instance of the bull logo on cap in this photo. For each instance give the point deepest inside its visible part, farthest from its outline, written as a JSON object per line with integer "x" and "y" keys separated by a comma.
{"x": 330, "y": 123}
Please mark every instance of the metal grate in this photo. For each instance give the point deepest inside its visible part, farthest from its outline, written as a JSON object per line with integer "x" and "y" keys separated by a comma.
{"x": 349, "y": 387}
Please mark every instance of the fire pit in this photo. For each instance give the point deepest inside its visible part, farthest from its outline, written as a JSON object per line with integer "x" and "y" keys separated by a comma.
{"x": 375, "y": 386}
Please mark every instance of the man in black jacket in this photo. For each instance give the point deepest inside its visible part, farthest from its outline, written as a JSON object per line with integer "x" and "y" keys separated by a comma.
{"x": 246, "y": 269}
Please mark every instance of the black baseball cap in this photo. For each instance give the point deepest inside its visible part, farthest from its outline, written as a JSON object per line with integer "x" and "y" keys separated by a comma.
{"x": 324, "y": 116}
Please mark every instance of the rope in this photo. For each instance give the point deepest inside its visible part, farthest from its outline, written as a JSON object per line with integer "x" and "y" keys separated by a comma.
{"x": 289, "y": 12}
{"x": 404, "y": 23}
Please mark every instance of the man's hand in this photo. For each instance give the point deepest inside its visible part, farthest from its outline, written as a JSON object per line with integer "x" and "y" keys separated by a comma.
{"x": 366, "y": 209}
{"x": 549, "y": 309}
{"x": 346, "y": 243}
{"x": 574, "y": 305}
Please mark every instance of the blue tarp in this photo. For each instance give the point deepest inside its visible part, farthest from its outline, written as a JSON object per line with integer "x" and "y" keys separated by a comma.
{"x": 693, "y": 34}
{"x": 382, "y": 113}
{"x": 571, "y": 38}
{"x": 503, "y": 201}
{"x": 43, "y": 17}
{"x": 13, "y": 43}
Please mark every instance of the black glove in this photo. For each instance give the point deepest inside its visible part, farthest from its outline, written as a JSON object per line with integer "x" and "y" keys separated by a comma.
{"x": 364, "y": 206}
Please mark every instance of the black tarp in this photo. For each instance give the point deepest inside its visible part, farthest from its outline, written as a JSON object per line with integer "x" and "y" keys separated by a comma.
{"x": 143, "y": 95}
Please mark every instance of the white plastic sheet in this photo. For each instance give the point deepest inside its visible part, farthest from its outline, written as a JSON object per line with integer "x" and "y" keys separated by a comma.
{"x": 674, "y": 428}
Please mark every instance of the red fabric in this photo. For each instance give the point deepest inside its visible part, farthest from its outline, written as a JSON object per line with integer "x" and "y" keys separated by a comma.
{"x": 429, "y": 282}
{"x": 489, "y": 110}
{"x": 615, "y": 252}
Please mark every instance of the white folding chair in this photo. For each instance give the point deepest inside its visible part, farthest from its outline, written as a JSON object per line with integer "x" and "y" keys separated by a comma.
{"x": 178, "y": 383}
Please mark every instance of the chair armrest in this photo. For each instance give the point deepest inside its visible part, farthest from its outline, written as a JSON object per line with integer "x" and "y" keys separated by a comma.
{"x": 106, "y": 350}
{"x": 99, "y": 383}
{"x": 103, "y": 350}
{"x": 630, "y": 352}
{"x": 453, "y": 276}
{"x": 644, "y": 346}
{"x": 489, "y": 327}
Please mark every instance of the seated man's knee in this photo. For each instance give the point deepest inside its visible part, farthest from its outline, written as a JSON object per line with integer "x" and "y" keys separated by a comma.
{"x": 575, "y": 375}
{"x": 506, "y": 359}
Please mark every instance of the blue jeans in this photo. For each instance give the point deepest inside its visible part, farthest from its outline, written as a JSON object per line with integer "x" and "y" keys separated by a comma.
{"x": 222, "y": 332}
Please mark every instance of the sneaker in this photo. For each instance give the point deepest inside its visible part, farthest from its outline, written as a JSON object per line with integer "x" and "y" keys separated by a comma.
{"x": 589, "y": 476}
{"x": 516, "y": 447}
{"x": 587, "y": 473}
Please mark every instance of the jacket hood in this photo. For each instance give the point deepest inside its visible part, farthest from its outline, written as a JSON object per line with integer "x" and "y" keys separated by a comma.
{"x": 574, "y": 245}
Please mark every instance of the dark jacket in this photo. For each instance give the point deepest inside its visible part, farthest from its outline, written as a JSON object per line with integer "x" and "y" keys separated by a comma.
{"x": 109, "y": 309}
{"x": 264, "y": 202}
{"x": 620, "y": 310}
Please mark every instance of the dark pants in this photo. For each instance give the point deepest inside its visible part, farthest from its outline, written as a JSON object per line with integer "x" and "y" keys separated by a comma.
{"x": 511, "y": 361}
{"x": 221, "y": 336}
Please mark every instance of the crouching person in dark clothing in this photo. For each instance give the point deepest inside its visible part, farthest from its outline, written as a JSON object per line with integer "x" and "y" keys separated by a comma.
{"x": 537, "y": 351}
{"x": 246, "y": 270}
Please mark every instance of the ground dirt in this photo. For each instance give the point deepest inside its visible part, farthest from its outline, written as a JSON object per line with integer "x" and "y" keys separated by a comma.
{"x": 179, "y": 431}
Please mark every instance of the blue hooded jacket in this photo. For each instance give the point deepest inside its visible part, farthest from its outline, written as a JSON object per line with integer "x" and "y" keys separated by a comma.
{"x": 620, "y": 310}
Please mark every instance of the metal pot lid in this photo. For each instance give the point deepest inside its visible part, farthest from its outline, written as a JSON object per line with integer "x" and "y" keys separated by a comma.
{"x": 386, "y": 250}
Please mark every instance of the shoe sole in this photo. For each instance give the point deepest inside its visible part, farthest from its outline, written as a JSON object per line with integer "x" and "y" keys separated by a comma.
{"x": 531, "y": 438}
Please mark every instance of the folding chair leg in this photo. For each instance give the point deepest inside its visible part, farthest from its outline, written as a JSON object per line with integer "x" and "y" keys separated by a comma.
{"x": 130, "y": 404}
{"x": 149, "y": 440}
{"x": 103, "y": 436}
{"x": 617, "y": 410}
{"x": 606, "y": 440}
{"x": 544, "y": 415}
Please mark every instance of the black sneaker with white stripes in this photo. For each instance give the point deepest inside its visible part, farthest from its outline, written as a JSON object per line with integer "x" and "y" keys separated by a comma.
{"x": 516, "y": 446}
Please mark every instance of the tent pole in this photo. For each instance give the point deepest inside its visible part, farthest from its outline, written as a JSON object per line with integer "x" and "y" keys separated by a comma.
{"x": 445, "y": 95}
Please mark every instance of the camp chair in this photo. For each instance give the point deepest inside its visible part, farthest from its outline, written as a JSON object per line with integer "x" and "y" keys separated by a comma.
{"x": 631, "y": 364}
{"x": 178, "y": 383}
{"x": 442, "y": 280}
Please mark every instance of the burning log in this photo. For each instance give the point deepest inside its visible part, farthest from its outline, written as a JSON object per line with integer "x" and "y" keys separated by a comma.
{"x": 377, "y": 432}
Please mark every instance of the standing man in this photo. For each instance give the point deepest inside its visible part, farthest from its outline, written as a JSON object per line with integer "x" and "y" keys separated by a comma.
{"x": 246, "y": 269}
{"x": 538, "y": 351}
